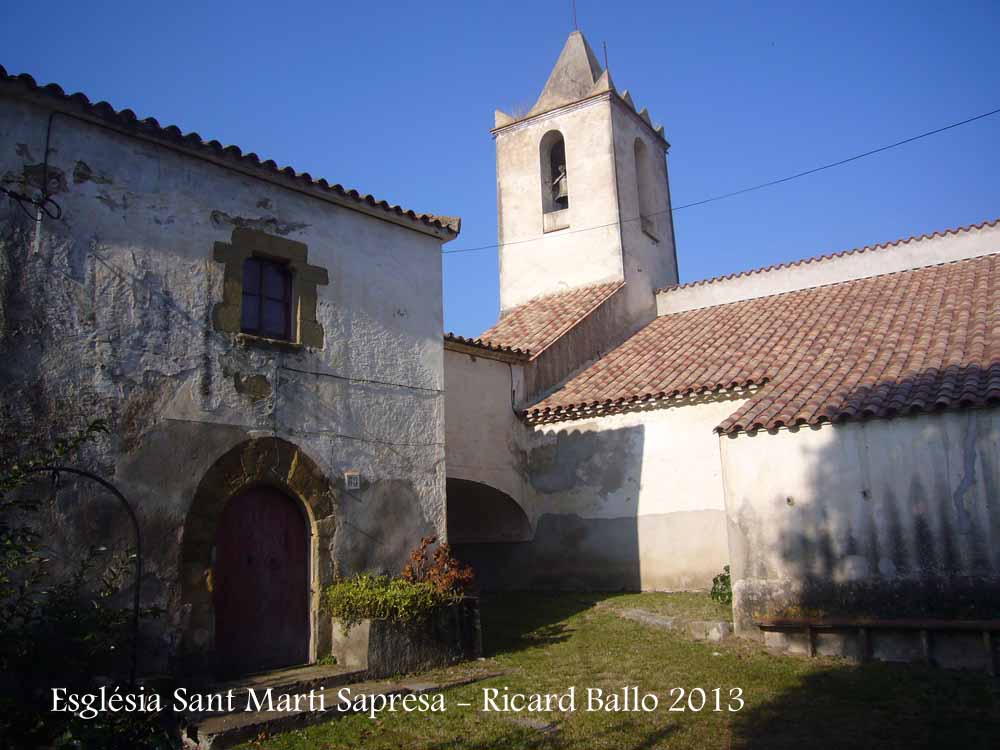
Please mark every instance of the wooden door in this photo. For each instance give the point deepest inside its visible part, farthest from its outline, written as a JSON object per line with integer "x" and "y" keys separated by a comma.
{"x": 261, "y": 583}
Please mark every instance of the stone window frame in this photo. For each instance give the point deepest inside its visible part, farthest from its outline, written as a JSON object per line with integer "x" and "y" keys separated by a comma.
{"x": 306, "y": 330}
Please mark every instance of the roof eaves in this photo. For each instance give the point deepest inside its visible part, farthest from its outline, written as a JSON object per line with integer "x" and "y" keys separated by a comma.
{"x": 78, "y": 105}
{"x": 638, "y": 402}
{"x": 483, "y": 348}
{"x": 733, "y": 426}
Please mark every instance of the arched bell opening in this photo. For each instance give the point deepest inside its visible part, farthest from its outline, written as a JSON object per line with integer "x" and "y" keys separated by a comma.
{"x": 555, "y": 179}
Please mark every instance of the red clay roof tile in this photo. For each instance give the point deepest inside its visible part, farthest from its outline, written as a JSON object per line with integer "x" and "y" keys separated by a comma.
{"x": 537, "y": 323}
{"x": 903, "y": 342}
{"x": 487, "y": 345}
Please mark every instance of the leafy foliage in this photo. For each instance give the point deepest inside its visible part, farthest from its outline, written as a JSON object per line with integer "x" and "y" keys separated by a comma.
{"x": 442, "y": 571}
{"x": 60, "y": 630}
{"x": 19, "y": 539}
{"x": 722, "y": 587}
{"x": 368, "y": 597}
{"x": 427, "y": 584}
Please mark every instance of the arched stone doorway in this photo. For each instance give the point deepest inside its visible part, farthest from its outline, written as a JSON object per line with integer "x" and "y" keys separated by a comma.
{"x": 261, "y": 583}
{"x": 277, "y": 478}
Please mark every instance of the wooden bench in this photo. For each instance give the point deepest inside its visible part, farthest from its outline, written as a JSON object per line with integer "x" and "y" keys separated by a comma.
{"x": 864, "y": 626}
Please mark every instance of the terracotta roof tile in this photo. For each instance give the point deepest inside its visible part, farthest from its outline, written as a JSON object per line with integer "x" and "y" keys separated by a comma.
{"x": 487, "y": 345}
{"x": 537, "y": 323}
{"x": 903, "y": 342}
{"x": 126, "y": 119}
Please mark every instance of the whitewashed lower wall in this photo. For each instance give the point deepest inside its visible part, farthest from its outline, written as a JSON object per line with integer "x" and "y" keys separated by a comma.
{"x": 885, "y": 519}
{"x": 630, "y": 501}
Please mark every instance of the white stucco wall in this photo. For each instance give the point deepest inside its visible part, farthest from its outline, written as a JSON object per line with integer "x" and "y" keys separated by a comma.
{"x": 916, "y": 253}
{"x": 887, "y": 518}
{"x": 533, "y": 263}
{"x": 658, "y": 469}
{"x": 604, "y": 209}
{"x": 486, "y": 440}
{"x": 109, "y": 313}
{"x": 671, "y": 463}
{"x": 649, "y": 264}
{"x": 628, "y": 501}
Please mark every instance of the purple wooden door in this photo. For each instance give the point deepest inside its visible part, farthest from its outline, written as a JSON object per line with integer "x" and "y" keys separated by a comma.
{"x": 261, "y": 583}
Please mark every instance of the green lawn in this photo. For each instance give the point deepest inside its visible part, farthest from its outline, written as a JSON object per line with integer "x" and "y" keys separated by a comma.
{"x": 546, "y": 643}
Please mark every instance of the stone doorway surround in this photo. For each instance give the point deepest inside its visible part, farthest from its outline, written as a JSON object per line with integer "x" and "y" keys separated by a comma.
{"x": 268, "y": 461}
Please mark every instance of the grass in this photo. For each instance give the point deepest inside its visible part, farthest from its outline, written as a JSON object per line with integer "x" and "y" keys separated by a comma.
{"x": 546, "y": 643}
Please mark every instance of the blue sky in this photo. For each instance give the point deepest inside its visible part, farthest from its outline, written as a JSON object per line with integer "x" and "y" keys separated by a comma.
{"x": 397, "y": 99}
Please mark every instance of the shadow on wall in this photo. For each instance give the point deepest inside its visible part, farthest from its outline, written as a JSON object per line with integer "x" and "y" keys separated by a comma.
{"x": 597, "y": 474}
{"x": 886, "y": 519}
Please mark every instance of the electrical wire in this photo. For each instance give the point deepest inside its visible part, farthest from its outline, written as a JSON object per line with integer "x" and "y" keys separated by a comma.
{"x": 46, "y": 204}
{"x": 762, "y": 185}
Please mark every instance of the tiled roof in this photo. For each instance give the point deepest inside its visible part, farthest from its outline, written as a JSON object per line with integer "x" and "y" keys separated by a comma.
{"x": 487, "y": 345}
{"x": 537, "y": 323}
{"x": 906, "y": 342}
{"x": 126, "y": 119}
{"x": 828, "y": 256}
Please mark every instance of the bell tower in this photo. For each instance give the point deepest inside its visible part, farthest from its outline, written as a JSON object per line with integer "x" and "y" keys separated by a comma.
{"x": 582, "y": 191}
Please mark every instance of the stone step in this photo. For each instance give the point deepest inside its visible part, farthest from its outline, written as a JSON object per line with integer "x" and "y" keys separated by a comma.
{"x": 648, "y": 618}
{"x": 712, "y": 631}
{"x": 218, "y": 732}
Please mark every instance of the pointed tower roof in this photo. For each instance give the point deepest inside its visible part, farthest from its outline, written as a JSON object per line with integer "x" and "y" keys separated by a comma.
{"x": 573, "y": 77}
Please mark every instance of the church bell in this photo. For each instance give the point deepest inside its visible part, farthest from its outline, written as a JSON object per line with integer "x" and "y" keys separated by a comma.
{"x": 560, "y": 187}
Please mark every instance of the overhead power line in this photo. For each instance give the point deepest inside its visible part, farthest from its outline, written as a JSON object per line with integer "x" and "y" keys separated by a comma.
{"x": 752, "y": 188}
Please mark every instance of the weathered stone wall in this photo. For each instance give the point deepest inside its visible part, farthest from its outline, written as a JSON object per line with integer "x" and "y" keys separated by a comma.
{"x": 883, "y": 519}
{"x": 108, "y": 312}
{"x": 383, "y": 649}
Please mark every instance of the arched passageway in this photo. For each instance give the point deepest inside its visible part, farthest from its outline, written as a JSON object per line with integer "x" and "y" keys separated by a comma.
{"x": 480, "y": 513}
{"x": 488, "y": 530}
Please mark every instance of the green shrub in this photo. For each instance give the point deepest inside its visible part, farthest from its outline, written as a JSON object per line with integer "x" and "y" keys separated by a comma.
{"x": 722, "y": 587}
{"x": 60, "y": 629}
{"x": 368, "y": 597}
{"x": 428, "y": 583}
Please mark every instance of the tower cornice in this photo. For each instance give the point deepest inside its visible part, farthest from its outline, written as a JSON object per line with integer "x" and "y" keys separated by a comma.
{"x": 551, "y": 113}
{"x": 608, "y": 95}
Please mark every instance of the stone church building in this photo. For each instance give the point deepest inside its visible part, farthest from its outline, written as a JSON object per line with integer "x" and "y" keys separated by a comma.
{"x": 830, "y": 428}
{"x": 267, "y": 348}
